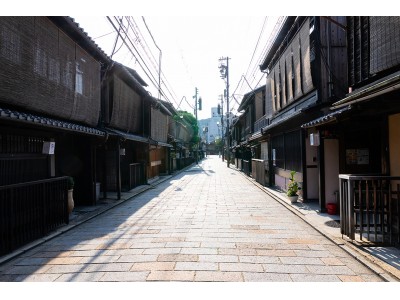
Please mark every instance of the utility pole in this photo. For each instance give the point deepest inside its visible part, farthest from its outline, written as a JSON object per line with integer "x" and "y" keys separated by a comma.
{"x": 221, "y": 97}
{"x": 195, "y": 113}
{"x": 224, "y": 70}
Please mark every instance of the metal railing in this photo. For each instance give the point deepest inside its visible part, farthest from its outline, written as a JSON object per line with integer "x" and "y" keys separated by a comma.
{"x": 30, "y": 210}
{"x": 260, "y": 123}
{"x": 369, "y": 206}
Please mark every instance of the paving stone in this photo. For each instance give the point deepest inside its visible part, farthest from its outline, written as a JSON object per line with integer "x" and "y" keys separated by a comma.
{"x": 218, "y": 258}
{"x": 38, "y": 278}
{"x": 81, "y": 277}
{"x": 241, "y": 267}
{"x": 313, "y": 253}
{"x": 162, "y": 251}
{"x": 233, "y": 251}
{"x": 114, "y": 267}
{"x": 337, "y": 270}
{"x": 314, "y": 278}
{"x": 124, "y": 276}
{"x": 178, "y": 257}
{"x": 332, "y": 261}
{"x": 301, "y": 261}
{"x": 26, "y": 270}
{"x": 371, "y": 278}
{"x": 349, "y": 278}
{"x": 99, "y": 259}
{"x": 153, "y": 266}
{"x": 171, "y": 276}
{"x": 218, "y": 276}
{"x": 9, "y": 278}
{"x": 196, "y": 266}
{"x": 286, "y": 269}
{"x": 65, "y": 269}
{"x": 276, "y": 253}
{"x": 137, "y": 258}
{"x": 200, "y": 251}
{"x": 265, "y": 277}
{"x": 259, "y": 259}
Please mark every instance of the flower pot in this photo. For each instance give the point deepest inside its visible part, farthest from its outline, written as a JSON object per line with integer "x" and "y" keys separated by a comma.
{"x": 70, "y": 201}
{"x": 331, "y": 208}
{"x": 293, "y": 199}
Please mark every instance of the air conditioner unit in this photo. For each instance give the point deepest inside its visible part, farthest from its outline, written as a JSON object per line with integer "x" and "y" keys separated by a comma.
{"x": 314, "y": 139}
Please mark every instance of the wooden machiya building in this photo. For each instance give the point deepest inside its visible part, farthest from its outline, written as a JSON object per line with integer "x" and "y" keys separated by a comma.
{"x": 364, "y": 126}
{"x": 50, "y": 78}
{"x": 137, "y": 148}
{"x": 306, "y": 69}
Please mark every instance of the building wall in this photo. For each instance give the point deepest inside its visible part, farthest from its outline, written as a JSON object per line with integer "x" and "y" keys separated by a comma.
{"x": 331, "y": 157}
{"x": 45, "y": 71}
{"x": 159, "y": 125}
{"x": 290, "y": 78}
{"x": 394, "y": 144}
{"x": 126, "y": 105}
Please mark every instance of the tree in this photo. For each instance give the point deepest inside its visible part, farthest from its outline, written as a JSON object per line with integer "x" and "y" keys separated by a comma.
{"x": 218, "y": 144}
{"x": 191, "y": 120}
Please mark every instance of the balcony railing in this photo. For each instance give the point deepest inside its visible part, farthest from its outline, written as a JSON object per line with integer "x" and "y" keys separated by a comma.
{"x": 260, "y": 123}
{"x": 370, "y": 206}
{"x": 30, "y": 210}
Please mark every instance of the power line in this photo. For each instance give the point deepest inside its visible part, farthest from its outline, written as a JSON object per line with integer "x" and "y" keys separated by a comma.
{"x": 140, "y": 38}
{"x": 148, "y": 71}
{"x": 258, "y": 41}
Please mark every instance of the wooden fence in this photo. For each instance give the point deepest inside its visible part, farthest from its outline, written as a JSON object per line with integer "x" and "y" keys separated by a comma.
{"x": 370, "y": 206}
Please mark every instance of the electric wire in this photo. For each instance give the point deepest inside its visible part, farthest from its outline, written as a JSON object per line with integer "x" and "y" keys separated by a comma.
{"x": 145, "y": 68}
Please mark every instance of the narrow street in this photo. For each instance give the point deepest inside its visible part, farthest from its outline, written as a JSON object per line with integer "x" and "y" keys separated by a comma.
{"x": 208, "y": 223}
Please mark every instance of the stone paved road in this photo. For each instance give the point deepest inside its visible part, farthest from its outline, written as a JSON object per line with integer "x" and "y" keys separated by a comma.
{"x": 208, "y": 223}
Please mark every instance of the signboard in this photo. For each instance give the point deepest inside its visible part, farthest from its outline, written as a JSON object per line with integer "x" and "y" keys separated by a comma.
{"x": 357, "y": 156}
{"x": 48, "y": 147}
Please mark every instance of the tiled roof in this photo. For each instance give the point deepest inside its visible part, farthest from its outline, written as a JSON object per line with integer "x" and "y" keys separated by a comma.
{"x": 327, "y": 118}
{"x": 34, "y": 119}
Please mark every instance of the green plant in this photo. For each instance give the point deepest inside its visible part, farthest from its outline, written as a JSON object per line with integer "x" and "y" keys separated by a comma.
{"x": 71, "y": 183}
{"x": 293, "y": 186}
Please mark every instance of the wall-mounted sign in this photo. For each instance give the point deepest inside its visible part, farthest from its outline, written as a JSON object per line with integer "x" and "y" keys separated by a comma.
{"x": 274, "y": 157}
{"x": 48, "y": 148}
{"x": 357, "y": 156}
{"x": 314, "y": 139}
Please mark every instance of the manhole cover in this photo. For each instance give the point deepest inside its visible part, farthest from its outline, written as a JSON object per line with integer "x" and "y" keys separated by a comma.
{"x": 333, "y": 223}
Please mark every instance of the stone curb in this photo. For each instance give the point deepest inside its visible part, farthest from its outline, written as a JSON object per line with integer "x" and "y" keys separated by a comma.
{"x": 381, "y": 268}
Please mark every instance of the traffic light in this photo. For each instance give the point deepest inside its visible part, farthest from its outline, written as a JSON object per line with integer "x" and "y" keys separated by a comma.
{"x": 219, "y": 109}
{"x": 200, "y": 103}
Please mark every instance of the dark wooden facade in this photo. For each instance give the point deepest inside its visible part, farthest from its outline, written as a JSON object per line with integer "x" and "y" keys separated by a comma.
{"x": 49, "y": 92}
{"x": 306, "y": 72}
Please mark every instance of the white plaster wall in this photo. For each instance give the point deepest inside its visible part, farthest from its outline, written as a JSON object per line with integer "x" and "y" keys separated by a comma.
{"x": 331, "y": 169}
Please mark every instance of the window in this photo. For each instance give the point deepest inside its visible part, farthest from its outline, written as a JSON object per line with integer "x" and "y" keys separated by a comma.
{"x": 78, "y": 80}
{"x": 40, "y": 63}
{"x": 10, "y": 45}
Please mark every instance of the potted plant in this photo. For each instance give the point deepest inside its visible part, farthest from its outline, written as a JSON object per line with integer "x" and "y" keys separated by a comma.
{"x": 71, "y": 184}
{"x": 293, "y": 188}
